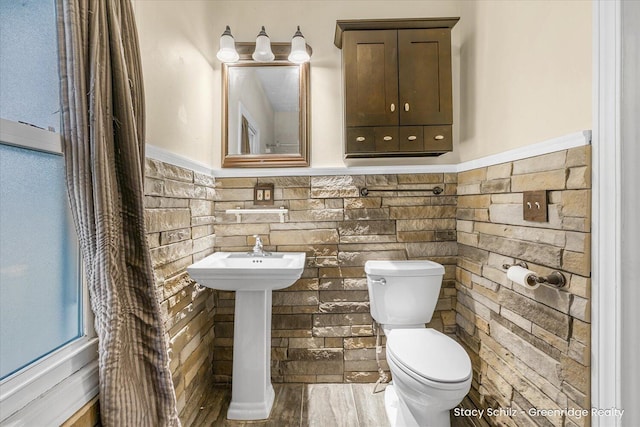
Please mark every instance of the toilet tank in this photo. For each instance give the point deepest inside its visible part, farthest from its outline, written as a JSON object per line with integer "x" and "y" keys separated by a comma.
{"x": 403, "y": 293}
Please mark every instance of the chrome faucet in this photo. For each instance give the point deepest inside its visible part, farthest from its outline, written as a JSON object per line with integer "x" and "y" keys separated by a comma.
{"x": 258, "y": 247}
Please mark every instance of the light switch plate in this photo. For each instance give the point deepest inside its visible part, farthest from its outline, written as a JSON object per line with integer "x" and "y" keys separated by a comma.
{"x": 534, "y": 206}
{"x": 263, "y": 194}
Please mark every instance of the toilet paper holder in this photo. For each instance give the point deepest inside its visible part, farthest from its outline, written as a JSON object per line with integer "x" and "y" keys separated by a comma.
{"x": 556, "y": 278}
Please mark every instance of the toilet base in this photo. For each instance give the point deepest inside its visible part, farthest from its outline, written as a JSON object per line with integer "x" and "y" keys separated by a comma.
{"x": 392, "y": 408}
{"x": 399, "y": 415}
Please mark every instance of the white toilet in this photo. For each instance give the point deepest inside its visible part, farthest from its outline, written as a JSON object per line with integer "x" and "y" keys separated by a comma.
{"x": 431, "y": 372}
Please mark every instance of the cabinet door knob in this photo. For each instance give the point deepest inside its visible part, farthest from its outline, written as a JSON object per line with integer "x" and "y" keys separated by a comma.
{"x": 393, "y": 107}
{"x": 412, "y": 138}
{"x": 360, "y": 139}
{"x": 406, "y": 106}
{"x": 388, "y": 138}
{"x": 438, "y": 137}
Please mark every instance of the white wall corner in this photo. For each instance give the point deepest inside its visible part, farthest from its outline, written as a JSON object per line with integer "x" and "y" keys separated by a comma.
{"x": 606, "y": 213}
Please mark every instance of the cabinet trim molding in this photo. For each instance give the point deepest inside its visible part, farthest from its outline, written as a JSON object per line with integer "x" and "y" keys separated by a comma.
{"x": 389, "y": 24}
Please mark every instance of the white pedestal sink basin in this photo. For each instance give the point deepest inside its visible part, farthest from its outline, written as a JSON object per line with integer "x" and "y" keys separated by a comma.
{"x": 241, "y": 271}
{"x": 253, "y": 278}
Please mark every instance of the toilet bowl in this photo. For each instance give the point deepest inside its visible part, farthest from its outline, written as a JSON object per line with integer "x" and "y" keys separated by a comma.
{"x": 431, "y": 371}
{"x": 431, "y": 375}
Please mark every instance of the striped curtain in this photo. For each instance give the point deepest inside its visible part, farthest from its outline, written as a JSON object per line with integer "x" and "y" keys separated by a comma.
{"x": 102, "y": 103}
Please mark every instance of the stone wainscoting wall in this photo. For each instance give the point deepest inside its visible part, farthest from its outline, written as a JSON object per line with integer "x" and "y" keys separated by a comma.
{"x": 179, "y": 220}
{"x": 321, "y": 327}
{"x": 529, "y": 348}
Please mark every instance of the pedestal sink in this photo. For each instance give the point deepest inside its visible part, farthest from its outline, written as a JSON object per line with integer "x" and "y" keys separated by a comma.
{"x": 253, "y": 277}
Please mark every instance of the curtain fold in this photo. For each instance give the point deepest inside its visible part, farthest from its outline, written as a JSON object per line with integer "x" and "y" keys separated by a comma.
{"x": 102, "y": 101}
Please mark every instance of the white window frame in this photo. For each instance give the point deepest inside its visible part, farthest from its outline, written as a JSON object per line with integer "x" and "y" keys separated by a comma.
{"x": 53, "y": 388}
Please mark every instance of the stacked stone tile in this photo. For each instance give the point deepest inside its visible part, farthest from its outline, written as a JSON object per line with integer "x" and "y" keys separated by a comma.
{"x": 179, "y": 219}
{"x": 322, "y": 328}
{"x": 529, "y": 348}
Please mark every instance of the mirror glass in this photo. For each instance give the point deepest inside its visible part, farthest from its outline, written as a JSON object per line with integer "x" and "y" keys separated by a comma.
{"x": 265, "y": 114}
{"x": 264, "y": 110}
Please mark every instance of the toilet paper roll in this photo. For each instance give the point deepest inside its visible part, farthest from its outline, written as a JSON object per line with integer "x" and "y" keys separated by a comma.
{"x": 522, "y": 276}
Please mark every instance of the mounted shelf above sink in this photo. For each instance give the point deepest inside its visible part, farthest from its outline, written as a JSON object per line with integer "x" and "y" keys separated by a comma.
{"x": 239, "y": 212}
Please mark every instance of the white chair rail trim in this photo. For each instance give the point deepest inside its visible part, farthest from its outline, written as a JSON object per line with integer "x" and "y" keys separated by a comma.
{"x": 565, "y": 142}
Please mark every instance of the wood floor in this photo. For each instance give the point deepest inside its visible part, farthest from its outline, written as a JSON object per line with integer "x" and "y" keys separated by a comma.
{"x": 309, "y": 405}
{"x": 305, "y": 405}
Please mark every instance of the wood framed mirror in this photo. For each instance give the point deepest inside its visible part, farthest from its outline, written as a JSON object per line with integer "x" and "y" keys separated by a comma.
{"x": 265, "y": 110}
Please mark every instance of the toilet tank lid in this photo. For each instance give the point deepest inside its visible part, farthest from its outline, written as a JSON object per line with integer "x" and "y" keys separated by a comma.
{"x": 404, "y": 268}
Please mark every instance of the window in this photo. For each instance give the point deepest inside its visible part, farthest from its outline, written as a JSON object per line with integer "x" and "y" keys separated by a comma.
{"x": 48, "y": 364}
{"x": 29, "y": 63}
{"x": 40, "y": 293}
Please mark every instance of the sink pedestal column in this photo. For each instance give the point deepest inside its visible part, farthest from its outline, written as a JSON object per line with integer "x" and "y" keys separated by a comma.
{"x": 251, "y": 390}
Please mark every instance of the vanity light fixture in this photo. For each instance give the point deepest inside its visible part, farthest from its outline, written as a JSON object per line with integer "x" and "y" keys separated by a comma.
{"x": 263, "y": 51}
{"x": 299, "y": 54}
{"x": 227, "y": 52}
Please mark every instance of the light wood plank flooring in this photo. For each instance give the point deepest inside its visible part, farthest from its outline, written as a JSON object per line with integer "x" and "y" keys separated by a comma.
{"x": 308, "y": 405}
{"x": 304, "y": 405}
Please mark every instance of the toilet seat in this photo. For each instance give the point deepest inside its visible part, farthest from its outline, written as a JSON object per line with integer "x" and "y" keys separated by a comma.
{"x": 429, "y": 355}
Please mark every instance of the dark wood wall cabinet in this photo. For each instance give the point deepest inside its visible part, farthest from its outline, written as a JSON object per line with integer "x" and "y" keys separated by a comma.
{"x": 397, "y": 75}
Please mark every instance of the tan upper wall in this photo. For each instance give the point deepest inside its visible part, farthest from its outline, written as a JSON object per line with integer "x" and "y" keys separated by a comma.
{"x": 522, "y": 70}
{"x": 178, "y": 52}
{"x": 525, "y": 73}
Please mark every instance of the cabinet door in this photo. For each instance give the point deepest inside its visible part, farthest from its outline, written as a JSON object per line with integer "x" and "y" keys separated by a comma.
{"x": 386, "y": 139}
{"x": 438, "y": 139}
{"x": 361, "y": 140}
{"x": 425, "y": 76}
{"x": 371, "y": 77}
{"x": 411, "y": 138}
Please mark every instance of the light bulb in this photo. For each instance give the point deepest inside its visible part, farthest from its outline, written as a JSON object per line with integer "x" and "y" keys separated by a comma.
{"x": 298, "y": 53}
{"x": 227, "y": 52}
{"x": 263, "y": 51}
